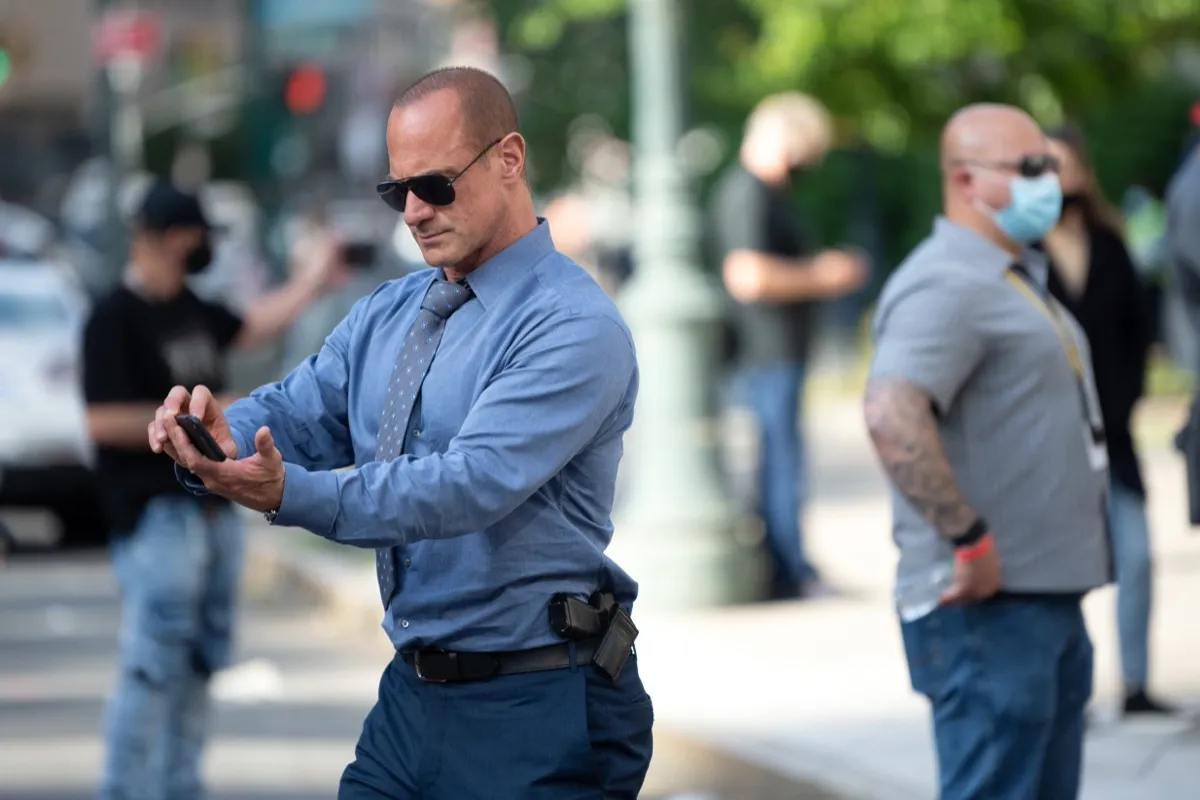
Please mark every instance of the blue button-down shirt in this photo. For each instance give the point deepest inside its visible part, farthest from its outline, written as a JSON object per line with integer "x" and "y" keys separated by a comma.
{"x": 504, "y": 494}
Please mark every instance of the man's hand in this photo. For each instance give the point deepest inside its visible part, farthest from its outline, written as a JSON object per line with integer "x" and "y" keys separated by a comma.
{"x": 201, "y": 404}
{"x": 317, "y": 261}
{"x": 839, "y": 272}
{"x": 975, "y": 579}
{"x": 745, "y": 276}
{"x": 255, "y": 482}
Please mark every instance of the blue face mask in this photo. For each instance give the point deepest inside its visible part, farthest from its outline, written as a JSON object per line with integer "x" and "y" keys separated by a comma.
{"x": 1035, "y": 207}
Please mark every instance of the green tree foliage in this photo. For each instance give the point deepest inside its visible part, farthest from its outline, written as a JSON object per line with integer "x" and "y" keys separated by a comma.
{"x": 891, "y": 71}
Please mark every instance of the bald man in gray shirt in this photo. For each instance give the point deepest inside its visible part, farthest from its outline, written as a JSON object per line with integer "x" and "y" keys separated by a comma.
{"x": 983, "y": 411}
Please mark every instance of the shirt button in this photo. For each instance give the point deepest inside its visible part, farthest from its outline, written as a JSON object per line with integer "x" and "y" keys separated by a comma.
{"x": 403, "y": 623}
{"x": 416, "y": 432}
{"x": 408, "y": 562}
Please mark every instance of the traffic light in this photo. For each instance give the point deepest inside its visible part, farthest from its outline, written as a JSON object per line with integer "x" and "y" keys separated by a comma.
{"x": 304, "y": 89}
{"x": 5, "y": 65}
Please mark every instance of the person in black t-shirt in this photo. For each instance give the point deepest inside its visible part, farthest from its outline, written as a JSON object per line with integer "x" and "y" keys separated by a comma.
{"x": 774, "y": 279}
{"x": 177, "y": 558}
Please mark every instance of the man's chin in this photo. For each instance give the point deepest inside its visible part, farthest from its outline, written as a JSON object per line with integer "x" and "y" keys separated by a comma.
{"x": 437, "y": 253}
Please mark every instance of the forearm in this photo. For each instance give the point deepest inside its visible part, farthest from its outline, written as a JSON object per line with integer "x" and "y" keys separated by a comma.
{"x": 121, "y": 425}
{"x": 388, "y": 504}
{"x": 789, "y": 279}
{"x": 305, "y": 432}
{"x": 904, "y": 431}
{"x": 274, "y": 312}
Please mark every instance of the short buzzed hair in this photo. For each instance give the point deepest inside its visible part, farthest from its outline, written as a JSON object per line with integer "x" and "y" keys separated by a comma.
{"x": 488, "y": 110}
{"x": 805, "y": 121}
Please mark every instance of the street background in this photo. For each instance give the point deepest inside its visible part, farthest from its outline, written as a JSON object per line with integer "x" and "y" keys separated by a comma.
{"x": 274, "y": 112}
{"x": 811, "y": 703}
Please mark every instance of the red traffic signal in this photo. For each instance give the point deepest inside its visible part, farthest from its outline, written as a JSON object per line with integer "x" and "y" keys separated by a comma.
{"x": 304, "y": 90}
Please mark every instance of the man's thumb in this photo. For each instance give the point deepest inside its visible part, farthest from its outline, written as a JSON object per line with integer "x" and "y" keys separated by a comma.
{"x": 263, "y": 443}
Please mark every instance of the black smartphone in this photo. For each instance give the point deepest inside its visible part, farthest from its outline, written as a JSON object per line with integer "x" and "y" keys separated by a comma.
{"x": 360, "y": 255}
{"x": 200, "y": 437}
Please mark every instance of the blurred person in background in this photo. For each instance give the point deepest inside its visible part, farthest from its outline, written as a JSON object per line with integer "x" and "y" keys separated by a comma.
{"x": 177, "y": 558}
{"x": 1093, "y": 277}
{"x": 775, "y": 279}
{"x": 358, "y": 269}
{"x": 982, "y": 408}
{"x": 1183, "y": 253}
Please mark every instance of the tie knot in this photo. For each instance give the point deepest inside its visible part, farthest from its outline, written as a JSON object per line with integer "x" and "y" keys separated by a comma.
{"x": 444, "y": 298}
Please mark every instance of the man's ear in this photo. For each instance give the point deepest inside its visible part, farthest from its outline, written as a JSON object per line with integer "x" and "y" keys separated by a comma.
{"x": 512, "y": 156}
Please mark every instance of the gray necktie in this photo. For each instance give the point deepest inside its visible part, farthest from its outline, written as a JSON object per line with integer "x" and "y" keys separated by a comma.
{"x": 441, "y": 300}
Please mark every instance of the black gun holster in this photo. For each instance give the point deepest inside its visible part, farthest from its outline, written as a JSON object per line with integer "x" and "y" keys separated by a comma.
{"x": 600, "y": 617}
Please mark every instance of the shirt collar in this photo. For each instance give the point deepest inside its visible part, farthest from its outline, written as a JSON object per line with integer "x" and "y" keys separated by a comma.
{"x": 986, "y": 254}
{"x": 496, "y": 275}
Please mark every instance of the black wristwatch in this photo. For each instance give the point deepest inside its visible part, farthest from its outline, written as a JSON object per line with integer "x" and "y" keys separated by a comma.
{"x": 978, "y": 529}
{"x": 270, "y": 516}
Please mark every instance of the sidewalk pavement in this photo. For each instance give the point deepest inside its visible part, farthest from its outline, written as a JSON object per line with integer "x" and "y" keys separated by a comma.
{"x": 819, "y": 690}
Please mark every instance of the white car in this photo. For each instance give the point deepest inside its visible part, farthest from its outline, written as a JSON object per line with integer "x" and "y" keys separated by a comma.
{"x": 48, "y": 492}
{"x": 42, "y": 312}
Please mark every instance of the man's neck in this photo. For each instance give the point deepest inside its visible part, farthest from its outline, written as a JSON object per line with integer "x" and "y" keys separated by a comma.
{"x": 771, "y": 177}
{"x": 974, "y": 221}
{"x": 514, "y": 228}
{"x": 152, "y": 284}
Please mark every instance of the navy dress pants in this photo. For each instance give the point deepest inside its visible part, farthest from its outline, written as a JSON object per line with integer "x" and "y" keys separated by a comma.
{"x": 564, "y": 734}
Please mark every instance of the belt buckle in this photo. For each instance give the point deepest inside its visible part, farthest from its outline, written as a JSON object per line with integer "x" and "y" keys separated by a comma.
{"x": 418, "y": 659}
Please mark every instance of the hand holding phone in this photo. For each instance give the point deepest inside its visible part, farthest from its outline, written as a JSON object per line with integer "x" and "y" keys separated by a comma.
{"x": 200, "y": 437}
{"x": 208, "y": 416}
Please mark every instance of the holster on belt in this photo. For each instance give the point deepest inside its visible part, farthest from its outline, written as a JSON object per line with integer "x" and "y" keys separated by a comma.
{"x": 600, "y": 617}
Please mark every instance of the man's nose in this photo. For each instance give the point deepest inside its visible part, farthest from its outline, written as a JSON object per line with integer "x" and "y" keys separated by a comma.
{"x": 416, "y": 210}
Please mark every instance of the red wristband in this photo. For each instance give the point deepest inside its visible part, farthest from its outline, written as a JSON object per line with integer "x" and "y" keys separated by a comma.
{"x": 976, "y": 549}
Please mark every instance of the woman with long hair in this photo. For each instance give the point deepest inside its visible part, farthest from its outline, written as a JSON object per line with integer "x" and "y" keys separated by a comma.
{"x": 1093, "y": 276}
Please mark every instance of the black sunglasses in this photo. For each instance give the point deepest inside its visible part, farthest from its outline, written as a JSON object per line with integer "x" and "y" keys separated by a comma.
{"x": 1028, "y": 166}
{"x": 433, "y": 188}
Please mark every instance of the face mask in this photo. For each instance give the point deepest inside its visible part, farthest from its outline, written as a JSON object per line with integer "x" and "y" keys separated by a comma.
{"x": 1034, "y": 207}
{"x": 198, "y": 258}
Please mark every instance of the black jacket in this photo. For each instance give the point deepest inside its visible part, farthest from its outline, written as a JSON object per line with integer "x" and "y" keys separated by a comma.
{"x": 1111, "y": 312}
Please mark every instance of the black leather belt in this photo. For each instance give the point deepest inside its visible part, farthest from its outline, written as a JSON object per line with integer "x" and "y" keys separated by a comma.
{"x": 443, "y": 666}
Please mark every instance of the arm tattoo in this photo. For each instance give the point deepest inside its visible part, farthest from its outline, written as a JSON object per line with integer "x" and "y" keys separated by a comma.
{"x": 900, "y": 419}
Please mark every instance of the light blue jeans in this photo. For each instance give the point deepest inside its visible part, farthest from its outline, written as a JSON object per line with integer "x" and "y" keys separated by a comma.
{"x": 774, "y": 393}
{"x": 1129, "y": 534}
{"x": 178, "y": 574}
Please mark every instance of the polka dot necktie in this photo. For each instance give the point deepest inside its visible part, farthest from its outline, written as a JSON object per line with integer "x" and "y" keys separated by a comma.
{"x": 420, "y": 345}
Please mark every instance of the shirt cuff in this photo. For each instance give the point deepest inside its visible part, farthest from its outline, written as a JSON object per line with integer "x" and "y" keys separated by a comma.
{"x": 190, "y": 481}
{"x": 310, "y": 500}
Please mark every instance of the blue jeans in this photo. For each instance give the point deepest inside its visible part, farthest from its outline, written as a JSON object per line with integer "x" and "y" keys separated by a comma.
{"x": 774, "y": 394}
{"x": 1129, "y": 535}
{"x": 178, "y": 574}
{"x": 1009, "y": 680}
{"x": 562, "y": 734}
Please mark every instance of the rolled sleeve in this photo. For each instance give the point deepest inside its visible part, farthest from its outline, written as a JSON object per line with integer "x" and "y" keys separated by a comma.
{"x": 929, "y": 334}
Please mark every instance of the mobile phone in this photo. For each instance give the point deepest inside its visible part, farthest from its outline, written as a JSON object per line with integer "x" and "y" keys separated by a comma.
{"x": 359, "y": 255}
{"x": 200, "y": 437}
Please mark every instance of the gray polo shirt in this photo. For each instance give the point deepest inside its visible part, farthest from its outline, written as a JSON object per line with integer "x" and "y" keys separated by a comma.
{"x": 1010, "y": 411}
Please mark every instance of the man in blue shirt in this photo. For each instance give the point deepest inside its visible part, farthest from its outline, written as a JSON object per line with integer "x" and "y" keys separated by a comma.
{"x": 480, "y": 407}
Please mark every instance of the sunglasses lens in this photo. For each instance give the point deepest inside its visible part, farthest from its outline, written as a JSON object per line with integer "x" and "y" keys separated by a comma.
{"x": 433, "y": 189}
{"x": 1035, "y": 166}
{"x": 394, "y": 194}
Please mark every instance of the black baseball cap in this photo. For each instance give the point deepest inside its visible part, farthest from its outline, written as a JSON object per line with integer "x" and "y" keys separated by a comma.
{"x": 165, "y": 207}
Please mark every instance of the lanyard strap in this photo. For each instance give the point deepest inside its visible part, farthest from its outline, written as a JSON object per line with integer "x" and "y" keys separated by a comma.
{"x": 1048, "y": 307}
